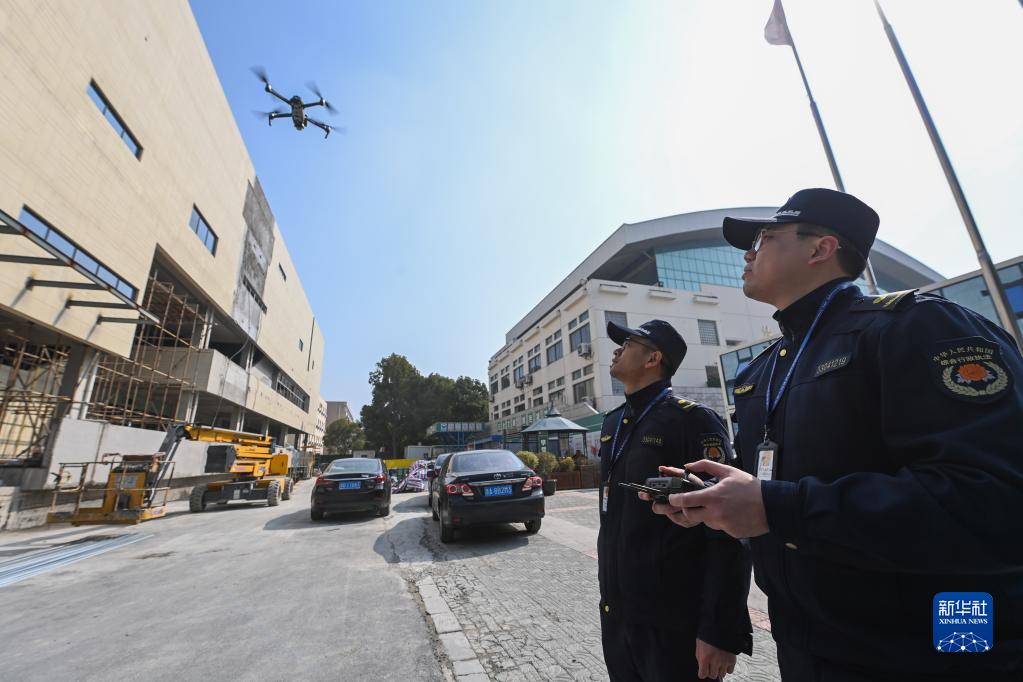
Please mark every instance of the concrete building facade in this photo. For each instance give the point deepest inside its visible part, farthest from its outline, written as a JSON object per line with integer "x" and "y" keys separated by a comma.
{"x": 143, "y": 277}
{"x": 338, "y": 409}
{"x": 678, "y": 269}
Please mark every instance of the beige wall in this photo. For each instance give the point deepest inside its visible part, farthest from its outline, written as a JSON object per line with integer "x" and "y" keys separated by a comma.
{"x": 59, "y": 156}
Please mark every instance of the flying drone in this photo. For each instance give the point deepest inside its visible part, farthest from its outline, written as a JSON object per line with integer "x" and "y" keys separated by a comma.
{"x": 298, "y": 116}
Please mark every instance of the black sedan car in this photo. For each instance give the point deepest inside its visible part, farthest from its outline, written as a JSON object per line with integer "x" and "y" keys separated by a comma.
{"x": 486, "y": 486}
{"x": 353, "y": 484}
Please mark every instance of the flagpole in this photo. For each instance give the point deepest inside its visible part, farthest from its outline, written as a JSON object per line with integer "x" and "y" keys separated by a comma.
{"x": 868, "y": 272}
{"x": 987, "y": 268}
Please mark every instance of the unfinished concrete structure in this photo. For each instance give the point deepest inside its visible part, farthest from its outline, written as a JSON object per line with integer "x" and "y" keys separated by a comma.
{"x": 143, "y": 278}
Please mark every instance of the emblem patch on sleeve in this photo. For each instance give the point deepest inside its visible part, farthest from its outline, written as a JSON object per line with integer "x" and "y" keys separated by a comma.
{"x": 741, "y": 390}
{"x": 605, "y": 438}
{"x": 970, "y": 369}
{"x": 713, "y": 447}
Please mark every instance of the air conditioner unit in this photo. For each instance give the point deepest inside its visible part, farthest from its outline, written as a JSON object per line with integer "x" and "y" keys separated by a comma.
{"x": 528, "y": 379}
{"x": 585, "y": 350}
{"x": 519, "y": 383}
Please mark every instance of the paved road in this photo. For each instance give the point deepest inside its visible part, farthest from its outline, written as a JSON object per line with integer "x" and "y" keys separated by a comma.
{"x": 237, "y": 593}
{"x": 254, "y": 593}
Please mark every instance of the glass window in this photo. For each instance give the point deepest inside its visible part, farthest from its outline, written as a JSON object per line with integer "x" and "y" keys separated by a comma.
{"x": 557, "y": 397}
{"x": 534, "y": 363}
{"x": 519, "y": 373}
{"x": 580, "y": 335}
{"x": 578, "y": 374}
{"x": 585, "y": 315}
{"x": 355, "y": 465}
{"x": 100, "y": 100}
{"x": 572, "y": 324}
{"x": 713, "y": 380}
{"x": 583, "y": 389}
{"x": 616, "y": 317}
{"x": 617, "y": 387}
{"x": 587, "y": 370}
{"x": 689, "y": 267}
{"x": 554, "y": 352}
{"x": 708, "y": 332}
{"x": 204, "y": 231}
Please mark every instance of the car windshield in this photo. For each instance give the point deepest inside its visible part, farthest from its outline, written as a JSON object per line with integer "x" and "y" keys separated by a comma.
{"x": 354, "y": 466}
{"x": 486, "y": 461}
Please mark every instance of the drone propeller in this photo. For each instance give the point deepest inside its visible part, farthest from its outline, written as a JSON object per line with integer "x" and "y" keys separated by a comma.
{"x": 261, "y": 75}
{"x": 264, "y": 114}
{"x": 316, "y": 91}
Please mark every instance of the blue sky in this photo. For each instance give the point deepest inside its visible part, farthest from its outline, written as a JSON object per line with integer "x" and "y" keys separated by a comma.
{"x": 491, "y": 146}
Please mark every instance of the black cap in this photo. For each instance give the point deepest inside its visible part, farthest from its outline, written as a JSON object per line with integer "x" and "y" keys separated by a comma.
{"x": 845, "y": 214}
{"x": 657, "y": 333}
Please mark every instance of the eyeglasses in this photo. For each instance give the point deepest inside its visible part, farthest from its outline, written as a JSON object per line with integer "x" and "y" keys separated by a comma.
{"x": 629, "y": 340}
{"x": 767, "y": 231}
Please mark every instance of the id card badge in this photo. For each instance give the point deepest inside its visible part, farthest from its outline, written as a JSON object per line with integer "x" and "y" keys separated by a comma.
{"x": 603, "y": 498}
{"x": 766, "y": 453}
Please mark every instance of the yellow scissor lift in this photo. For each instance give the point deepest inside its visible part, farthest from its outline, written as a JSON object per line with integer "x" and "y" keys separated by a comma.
{"x": 259, "y": 473}
{"x": 137, "y": 485}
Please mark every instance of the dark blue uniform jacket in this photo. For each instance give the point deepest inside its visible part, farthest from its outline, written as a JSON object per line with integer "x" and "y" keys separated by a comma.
{"x": 651, "y": 570}
{"x": 899, "y": 476}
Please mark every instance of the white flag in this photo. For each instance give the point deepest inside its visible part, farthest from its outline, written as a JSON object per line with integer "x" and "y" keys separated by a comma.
{"x": 777, "y": 30}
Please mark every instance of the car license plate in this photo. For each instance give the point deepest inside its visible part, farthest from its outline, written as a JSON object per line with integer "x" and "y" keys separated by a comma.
{"x": 349, "y": 485}
{"x": 497, "y": 490}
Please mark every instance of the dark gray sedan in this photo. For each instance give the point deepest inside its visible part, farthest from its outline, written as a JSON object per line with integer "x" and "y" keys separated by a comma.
{"x": 353, "y": 484}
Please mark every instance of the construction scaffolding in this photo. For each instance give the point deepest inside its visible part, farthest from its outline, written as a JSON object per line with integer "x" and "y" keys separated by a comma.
{"x": 153, "y": 388}
{"x": 30, "y": 379}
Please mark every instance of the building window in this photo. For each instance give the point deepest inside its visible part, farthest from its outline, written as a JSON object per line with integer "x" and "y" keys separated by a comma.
{"x": 506, "y": 413}
{"x": 493, "y": 388}
{"x": 708, "y": 332}
{"x": 505, "y": 382}
{"x": 554, "y": 353}
{"x": 283, "y": 274}
{"x": 617, "y": 387}
{"x": 301, "y": 344}
{"x": 582, "y": 390}
{"x": 557, "y": 397}
{"x": 519, "y": 373}
{"x": 572, "y": 324}
{"x": 689, "y": 267}
{"x": 290, "y": 390}
{"x": 520, "y": 408}
{"x": 115, "y": 121}
{"x": 587, "y": 370}
{"x": 585, "y": 315}
{"x": 580, "y": 335}
{"x": 713, "y": 379}
{"x": 202, "y": 229}
{"x": 80, "y": 258}
{"x": 618, "y": 318}
{"x": 534, "y": 363}
{"x": 578, "y": 374}
{"x": 538, "y": 391}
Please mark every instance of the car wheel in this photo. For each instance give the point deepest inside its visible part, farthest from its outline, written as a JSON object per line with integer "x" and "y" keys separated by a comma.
{"x": 197, "y": 499}
{"x": 384, "y": 511}
{"x": 533, "y": 526}
{"x": 316, "y": 514}
{"x": 273, "y": 494}
{"x": 447, "y": 533}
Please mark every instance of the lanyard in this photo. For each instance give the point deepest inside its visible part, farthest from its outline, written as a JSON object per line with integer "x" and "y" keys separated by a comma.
{"x": 616, "y": 451}
{"x": 770, "y": 406}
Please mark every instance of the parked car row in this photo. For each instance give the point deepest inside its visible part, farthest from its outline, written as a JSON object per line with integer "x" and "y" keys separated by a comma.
{"x": 464, "y": 489}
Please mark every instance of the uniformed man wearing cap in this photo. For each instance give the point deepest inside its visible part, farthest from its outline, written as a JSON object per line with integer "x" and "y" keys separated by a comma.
{"x": 881, "y": 438}
{"x": 673, "y": 600}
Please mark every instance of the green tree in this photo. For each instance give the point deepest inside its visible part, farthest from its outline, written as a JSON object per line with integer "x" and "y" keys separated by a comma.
{"x": 469, "y": 401}
{"x": 343, "y": 436}
{"x": 391, "y": 419}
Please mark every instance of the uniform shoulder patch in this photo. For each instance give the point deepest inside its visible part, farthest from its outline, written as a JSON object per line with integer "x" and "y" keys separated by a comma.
{"x": 683, "y": 404}
{"x": 605, "y": 438}
{"x": 744, "y": 389}
{"x": 714, "y": 447}
{"x": 969, "y": 369}
{"x": 897, "y": 300}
